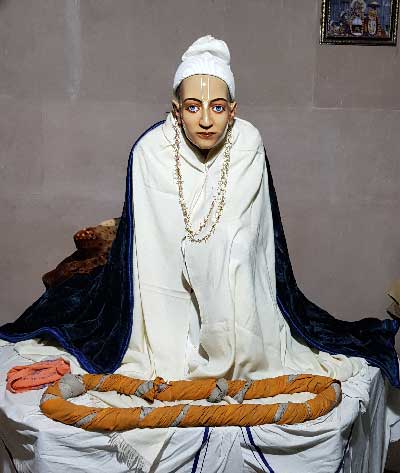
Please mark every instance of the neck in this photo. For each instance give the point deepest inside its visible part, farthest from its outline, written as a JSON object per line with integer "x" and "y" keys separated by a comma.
{"x": 204, "y": 152}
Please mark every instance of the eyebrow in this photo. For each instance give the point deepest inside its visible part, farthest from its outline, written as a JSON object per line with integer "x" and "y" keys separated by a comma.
{"x": 213, "y": 100}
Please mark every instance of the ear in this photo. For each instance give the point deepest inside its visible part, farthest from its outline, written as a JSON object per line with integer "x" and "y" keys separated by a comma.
{"x": 176, "y": 110}
{"x": 233, "y": 107}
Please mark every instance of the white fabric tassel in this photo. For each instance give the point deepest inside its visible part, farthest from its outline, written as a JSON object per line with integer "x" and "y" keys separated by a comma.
{"x": 128, "y": 454}
{"x": 22, "y": 466}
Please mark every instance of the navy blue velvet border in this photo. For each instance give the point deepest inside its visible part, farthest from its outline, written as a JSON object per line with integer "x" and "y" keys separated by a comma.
{"x": 131, "y": 229}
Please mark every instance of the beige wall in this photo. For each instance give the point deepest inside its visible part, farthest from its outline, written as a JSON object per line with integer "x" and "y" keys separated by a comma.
{"x": 79, "y": 80}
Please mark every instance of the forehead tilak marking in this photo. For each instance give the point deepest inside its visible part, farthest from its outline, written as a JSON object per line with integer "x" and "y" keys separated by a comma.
{"x": 205, "y": 89}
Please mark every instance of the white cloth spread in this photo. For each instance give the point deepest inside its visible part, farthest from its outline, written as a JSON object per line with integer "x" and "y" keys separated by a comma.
{"x": 345, "y": 440}
{"x": 229, "y": 325}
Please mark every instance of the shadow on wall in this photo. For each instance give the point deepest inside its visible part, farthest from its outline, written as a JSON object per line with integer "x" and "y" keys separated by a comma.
{"x": 3, "y": 3}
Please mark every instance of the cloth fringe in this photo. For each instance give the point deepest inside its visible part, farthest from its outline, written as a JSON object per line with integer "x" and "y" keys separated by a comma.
{"x": 22, "y": 466}
{"x": 127, "y": 454}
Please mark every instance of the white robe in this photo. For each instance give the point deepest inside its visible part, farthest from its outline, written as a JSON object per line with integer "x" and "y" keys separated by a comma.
{"x": 229, "y": 325}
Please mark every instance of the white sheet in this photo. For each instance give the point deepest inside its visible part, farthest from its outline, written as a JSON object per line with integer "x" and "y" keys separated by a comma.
{"x": 353, "y": 438}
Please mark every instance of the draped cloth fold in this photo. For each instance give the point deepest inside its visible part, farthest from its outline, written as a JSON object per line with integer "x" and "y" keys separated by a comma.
{"x": 90, "y": 315}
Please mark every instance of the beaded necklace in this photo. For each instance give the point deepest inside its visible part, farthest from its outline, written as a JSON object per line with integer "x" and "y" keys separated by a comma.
{"x": 219, "y": 197}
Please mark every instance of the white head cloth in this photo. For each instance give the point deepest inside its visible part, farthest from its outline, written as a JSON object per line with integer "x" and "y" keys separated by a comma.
{"x": 210, "y": 56}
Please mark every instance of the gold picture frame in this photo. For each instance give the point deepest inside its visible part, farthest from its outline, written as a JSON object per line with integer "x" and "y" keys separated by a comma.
{"x": 360, "y": 22}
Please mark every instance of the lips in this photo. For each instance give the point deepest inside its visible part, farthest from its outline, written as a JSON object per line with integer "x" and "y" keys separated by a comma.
{"x": 206, "y": 134}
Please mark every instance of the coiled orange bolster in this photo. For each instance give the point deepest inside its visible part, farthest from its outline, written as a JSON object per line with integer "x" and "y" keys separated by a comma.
{"x": 55, "y": 405}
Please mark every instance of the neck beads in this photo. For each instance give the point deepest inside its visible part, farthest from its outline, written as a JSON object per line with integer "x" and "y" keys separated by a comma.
{"x": 218, "y": 200}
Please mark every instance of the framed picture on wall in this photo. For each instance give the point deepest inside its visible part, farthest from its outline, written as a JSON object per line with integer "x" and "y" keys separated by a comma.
{"x": 368, "y": 22}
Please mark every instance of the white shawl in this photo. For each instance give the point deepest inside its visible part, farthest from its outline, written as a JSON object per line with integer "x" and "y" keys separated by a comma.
{"x": 229, "y": 325}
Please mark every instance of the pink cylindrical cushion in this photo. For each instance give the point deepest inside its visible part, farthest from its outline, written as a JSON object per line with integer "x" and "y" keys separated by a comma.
{"x": 37, "y": 375}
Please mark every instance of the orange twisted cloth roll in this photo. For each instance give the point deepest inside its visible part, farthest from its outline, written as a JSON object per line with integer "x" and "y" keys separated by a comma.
{"x": 54, "y": 402}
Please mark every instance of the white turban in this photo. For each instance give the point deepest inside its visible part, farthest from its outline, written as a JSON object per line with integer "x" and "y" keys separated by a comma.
{"x": 210, "y": 56}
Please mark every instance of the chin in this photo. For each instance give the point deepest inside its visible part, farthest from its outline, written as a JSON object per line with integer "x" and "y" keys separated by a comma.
{"x": 206, "y": 144}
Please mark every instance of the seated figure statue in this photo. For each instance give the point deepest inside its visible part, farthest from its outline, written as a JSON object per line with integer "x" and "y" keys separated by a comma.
{"x": 198, "y": 281}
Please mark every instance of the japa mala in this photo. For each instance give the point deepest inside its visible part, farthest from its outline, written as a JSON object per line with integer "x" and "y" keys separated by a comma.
{"x": 54, "y": 403}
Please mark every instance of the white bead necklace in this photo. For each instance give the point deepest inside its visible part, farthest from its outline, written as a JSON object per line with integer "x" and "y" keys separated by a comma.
{"x": 219, "y": 197}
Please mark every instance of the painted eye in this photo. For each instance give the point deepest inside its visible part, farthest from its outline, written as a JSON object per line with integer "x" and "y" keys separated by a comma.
{"x": 193, "y": 108}
{"x": 218, "y": 108}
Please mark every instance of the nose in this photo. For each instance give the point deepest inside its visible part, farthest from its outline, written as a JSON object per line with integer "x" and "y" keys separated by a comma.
{"x": 205, "y": 119}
